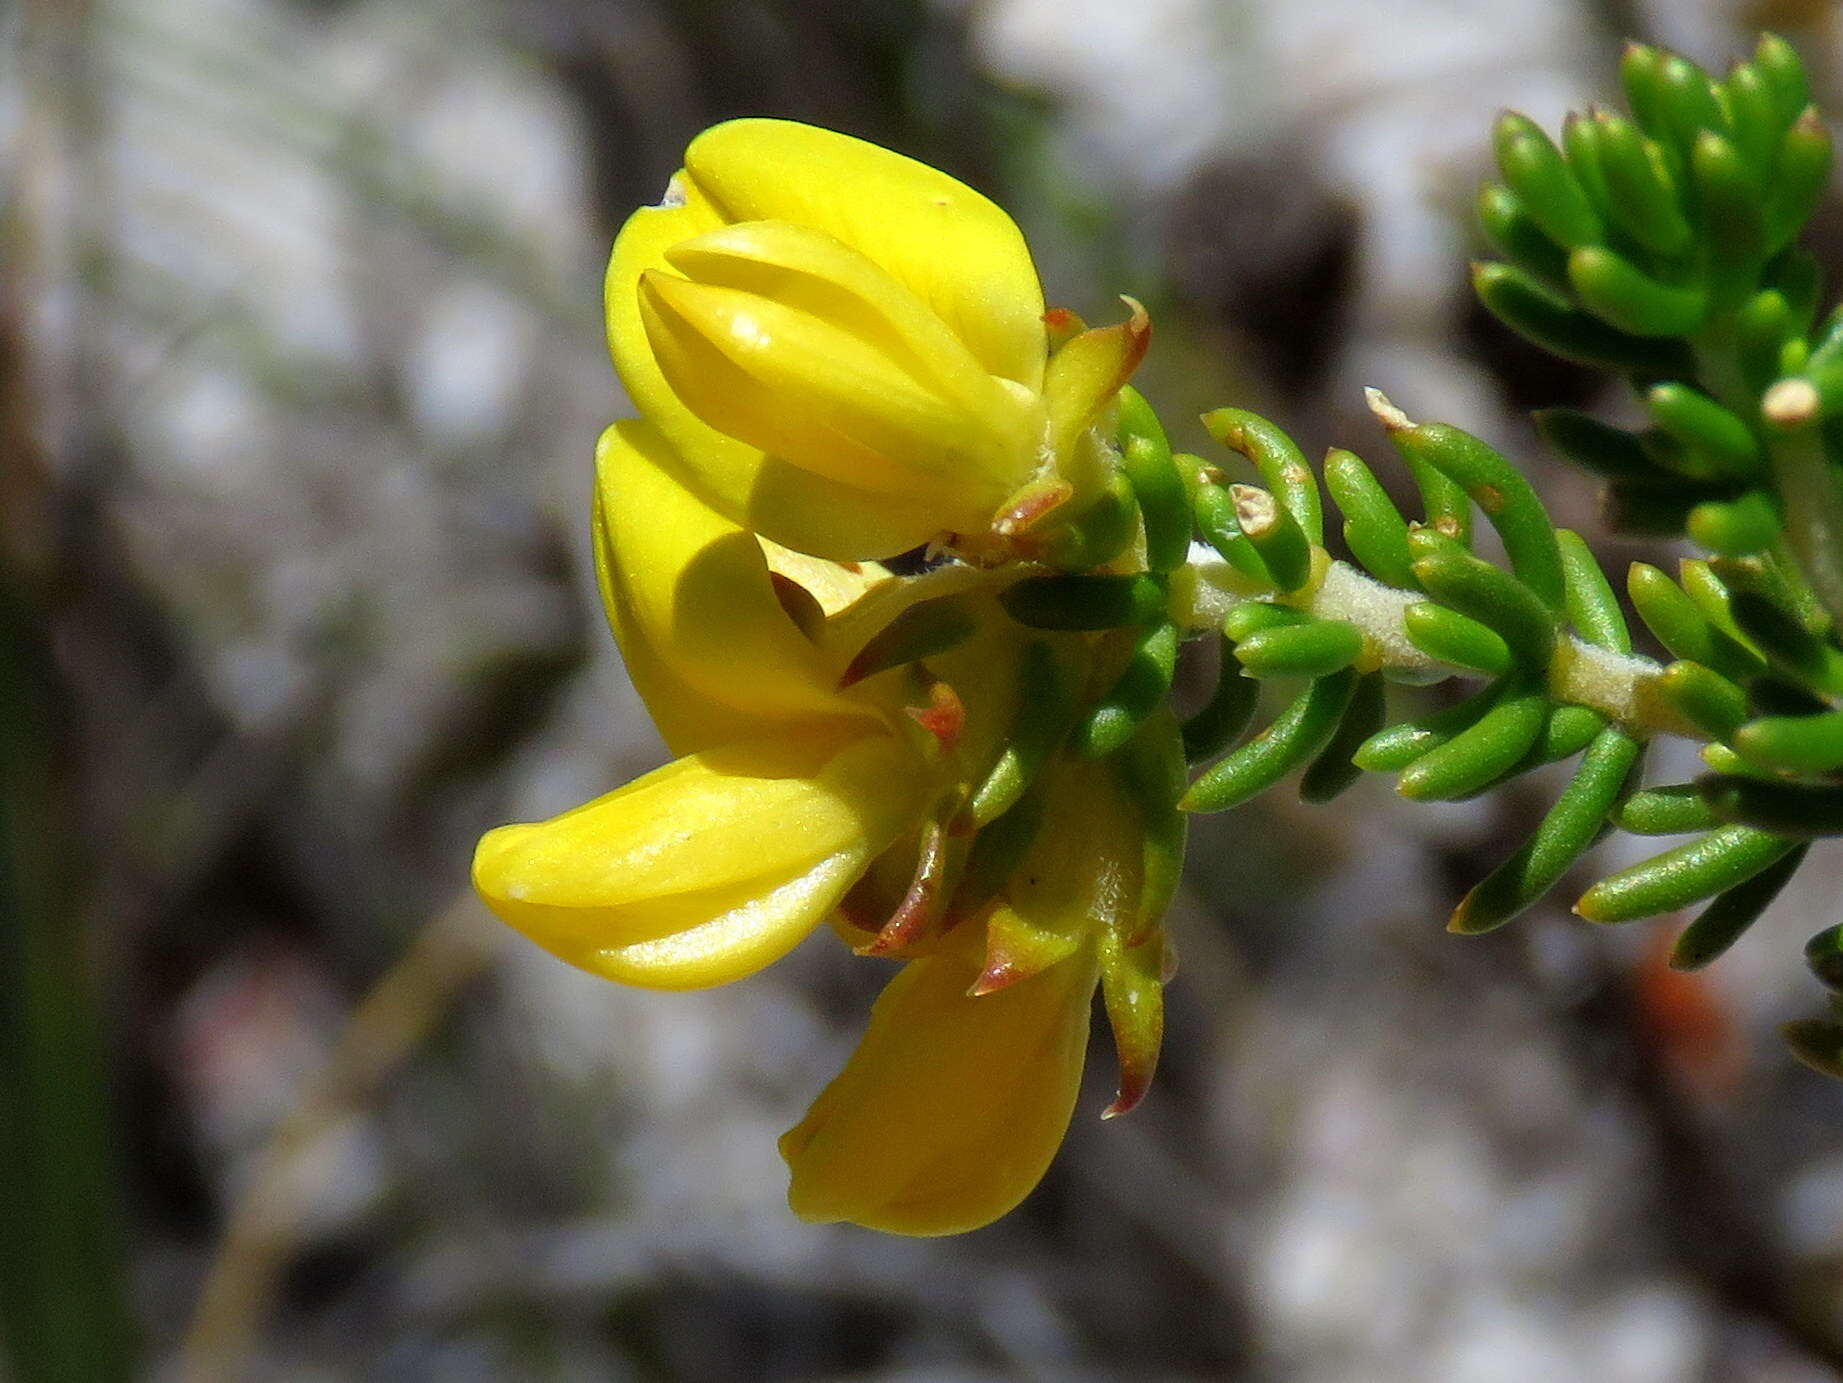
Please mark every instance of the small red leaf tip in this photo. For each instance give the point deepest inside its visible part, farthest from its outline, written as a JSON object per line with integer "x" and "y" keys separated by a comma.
{"x": 999, "y": 973}
{"x": 944, "y": 716}
{"x": 1138, "y": 329}
{"x": 1062, "y": 326}
{"x": 1134, "y": 1084}
{"x": 1004, "y": 967}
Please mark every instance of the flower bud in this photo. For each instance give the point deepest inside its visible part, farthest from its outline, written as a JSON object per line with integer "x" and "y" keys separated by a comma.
{"x": 788, "y": 340}
{"x": 849, "y": 350}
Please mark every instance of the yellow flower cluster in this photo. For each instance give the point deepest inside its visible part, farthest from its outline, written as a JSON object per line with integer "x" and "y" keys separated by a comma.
{"x": 840, "y": 356}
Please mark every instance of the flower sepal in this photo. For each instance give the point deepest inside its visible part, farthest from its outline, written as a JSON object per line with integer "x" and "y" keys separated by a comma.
{"x": 1020, "y": 949}
{"x": 1133, "y": 994}
{"x": 1086, "y": 375}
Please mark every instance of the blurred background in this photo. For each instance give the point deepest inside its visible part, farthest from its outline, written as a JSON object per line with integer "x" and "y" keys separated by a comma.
{"x": 300, "y": 369}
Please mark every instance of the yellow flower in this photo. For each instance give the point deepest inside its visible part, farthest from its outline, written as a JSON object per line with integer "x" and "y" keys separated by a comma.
{"x": 955, "y": 1102}
{"x": 799, "y": 799}
{"x": 715, "y": 865}
{"x": 847, "y": 349}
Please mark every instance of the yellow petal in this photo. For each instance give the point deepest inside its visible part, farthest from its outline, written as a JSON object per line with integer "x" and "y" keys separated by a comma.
{"x": 954, "y": 249}
{"x": 804, "y": 389}
{"x": 819, "y": 275}
{"x": 689, "y": 595}
{"x": 804, "y": 511}
{"x": 707, "y": 869}
{"x": 952, "y": 1107}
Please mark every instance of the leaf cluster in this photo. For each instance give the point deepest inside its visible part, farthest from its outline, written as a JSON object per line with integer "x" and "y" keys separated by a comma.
{"x": 1660, "y": 244}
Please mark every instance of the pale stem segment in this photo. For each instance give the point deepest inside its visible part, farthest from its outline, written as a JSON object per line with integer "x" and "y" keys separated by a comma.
{"x": 1621, "y": 686}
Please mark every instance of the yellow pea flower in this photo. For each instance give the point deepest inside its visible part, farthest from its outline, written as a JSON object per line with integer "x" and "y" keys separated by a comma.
{"x": 718, "y": 863}
{"x": 803, "y": 795}
{"x": 839, "y": 355}
{"x": 956, "y": 1100}
{"x": 848, "y": 350}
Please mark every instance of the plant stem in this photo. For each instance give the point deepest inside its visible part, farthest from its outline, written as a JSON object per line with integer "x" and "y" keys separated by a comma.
{"x": 61, "y": 1299}
{"x": 1621, "y": 686}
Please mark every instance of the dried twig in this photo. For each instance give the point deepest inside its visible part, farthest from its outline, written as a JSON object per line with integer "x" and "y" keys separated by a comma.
{"x": 449, "y": 951}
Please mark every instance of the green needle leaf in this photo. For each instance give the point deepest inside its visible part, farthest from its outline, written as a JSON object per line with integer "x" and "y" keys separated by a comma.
{"x": 1675, "y": 810}
{"x": 1706, "y": 428}
{"x": 1492, "y": 597}
{"x": 1496, "y": 487}
{"x": 1659, "y": 507}
{"x": 1703, "y": 697}
{"x": 1824, "y": 956}
{"x": 1140, "y": 690}
{"x": 1335, "y": 769}
{"x": 1800, "y": 179}
{"x": 1090, "y": 603}
{"x": 1045, "y": 708}
{"x": 1373, "y": 527}
{"x": 1580, "y": 141}
{"x": 997, "y": 851}
{"x": 1285, "y": 549}
{"x": 1216, "y": 521}
{"x": 1567, "y": 731}
{"x": 1786, "y": 642}
{"x": 1779, "y": 64}
{"x": 1618, "y": 291}
{"x": 1736, "y": 528}
{"x": 1710, "y": 595}
{"x": 926, "y": 628}
{"x": 1687, "y": 102}
{"x": 1641, "y": 74}
{"x": 1793, "y": 744}
{"x": 1763, "y": 326}
{"x": 1252, "y": 616}
{"x": 1159, "y": 488}
{"x": 1592, "y": 607}
{"x": 1515, "y": 234}
{"x": 1785, "y": 809}
{"x": 1566, "y": 833}
{"x": 1297, "y": 734}
{"x": 1519, "y": 300}
{"x": 1281, "y": 464}
{"x": 1732, "y": 211}
{"x": 1481, "y": 753}
{"x": 1099, "y": 533}
{"x": 1393, "y": 749}
{"x": 1644, "y": 194}
{"x": 1537, "y": 173}
{"x": 1222, "y": 719}
{"x": 1754, "y": 115}
{"x": 1313, "y": 649}
{"x": 1454, "y": 638}
{"x": 1818, "y": 1043}
{"x": 1609, "y": 452}
{"x": 1688, "y": 874}
{"x": 1673, "y": 618}
{"x": 1732, "y": 913}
